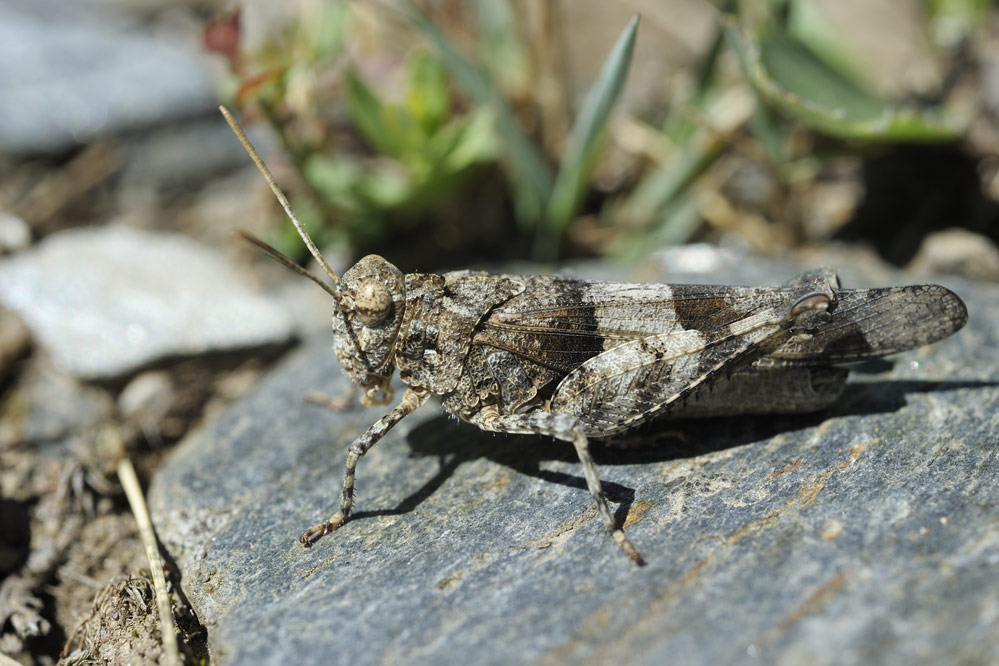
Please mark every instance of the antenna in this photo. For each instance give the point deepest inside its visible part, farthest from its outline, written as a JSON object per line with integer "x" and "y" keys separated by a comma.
{"x": 288, "y": 263}
{"x": 283, "y": 200}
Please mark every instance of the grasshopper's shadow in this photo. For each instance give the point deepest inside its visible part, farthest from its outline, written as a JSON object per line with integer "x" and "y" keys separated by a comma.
{"x": 454, "y": 443}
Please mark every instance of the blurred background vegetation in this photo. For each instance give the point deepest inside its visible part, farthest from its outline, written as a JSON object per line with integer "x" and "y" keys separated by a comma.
{"x": 444, "y": 133}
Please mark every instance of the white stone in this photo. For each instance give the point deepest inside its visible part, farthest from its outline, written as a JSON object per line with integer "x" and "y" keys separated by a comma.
{"x": 107, "y": 301}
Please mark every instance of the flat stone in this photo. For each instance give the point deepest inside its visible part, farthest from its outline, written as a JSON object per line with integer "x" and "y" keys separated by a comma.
{"x": 863, "y": 534}
{"x": 107, "y": 301}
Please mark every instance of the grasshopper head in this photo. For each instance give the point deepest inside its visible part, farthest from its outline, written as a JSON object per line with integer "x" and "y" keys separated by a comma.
{"x": 366, "y": 322}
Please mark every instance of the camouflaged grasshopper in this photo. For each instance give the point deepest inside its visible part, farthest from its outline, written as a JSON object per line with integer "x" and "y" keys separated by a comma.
{"x": 578, "y": 360}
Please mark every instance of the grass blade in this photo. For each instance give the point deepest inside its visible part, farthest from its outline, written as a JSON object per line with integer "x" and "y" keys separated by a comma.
{"x": 585, "y": 141}
{"x": 531, "y": 175}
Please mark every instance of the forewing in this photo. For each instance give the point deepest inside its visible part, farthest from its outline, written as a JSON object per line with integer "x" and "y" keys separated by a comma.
{"x": 561, "y": 323}
{"x": 637, "y": 380}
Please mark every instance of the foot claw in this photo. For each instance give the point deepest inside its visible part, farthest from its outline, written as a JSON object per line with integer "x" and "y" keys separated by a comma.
{"x": 312, "y": 534}
{"x": 622, "y": 541}
{"x": 308, "y": 535}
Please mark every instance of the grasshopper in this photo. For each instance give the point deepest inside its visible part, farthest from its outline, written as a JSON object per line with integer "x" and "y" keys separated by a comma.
{"x": 577, "y": 360}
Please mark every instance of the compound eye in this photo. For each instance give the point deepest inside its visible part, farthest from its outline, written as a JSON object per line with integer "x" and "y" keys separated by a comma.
{"x": 372, "y": 302}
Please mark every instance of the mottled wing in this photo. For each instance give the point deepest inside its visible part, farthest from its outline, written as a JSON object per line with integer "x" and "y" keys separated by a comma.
{"x": 560, "y": 323}
{"x": 639, "y": 379}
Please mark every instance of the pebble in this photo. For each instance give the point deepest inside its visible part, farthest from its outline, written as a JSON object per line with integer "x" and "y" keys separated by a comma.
{"x": 958, "y": 252}
{"x": 15, "y": 234}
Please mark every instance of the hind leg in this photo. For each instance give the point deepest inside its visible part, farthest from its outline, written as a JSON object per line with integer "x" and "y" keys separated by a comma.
{"x": 569, "y": 429}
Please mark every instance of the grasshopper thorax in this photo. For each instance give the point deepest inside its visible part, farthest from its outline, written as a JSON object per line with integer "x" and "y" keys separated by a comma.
{"x": 366, "y": 323}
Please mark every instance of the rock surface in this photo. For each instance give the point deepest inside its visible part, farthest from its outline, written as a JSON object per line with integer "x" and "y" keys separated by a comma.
{"x": 106, "y": 301}
{"x": 865, "y": 534}
{"x": 73, "y": 72}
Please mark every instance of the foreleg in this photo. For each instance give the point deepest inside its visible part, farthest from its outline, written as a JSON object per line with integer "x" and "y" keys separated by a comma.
{"x": 410, "y": 401}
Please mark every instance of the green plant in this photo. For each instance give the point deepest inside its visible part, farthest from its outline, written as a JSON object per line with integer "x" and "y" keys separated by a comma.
{"x": 427, "y": 144}
{"x": 546, "y": 203}
{"x": 778, "y": 91}
{"x": 802, "y": 76}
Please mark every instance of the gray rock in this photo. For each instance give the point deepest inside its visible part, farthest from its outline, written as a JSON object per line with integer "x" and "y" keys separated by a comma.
{"x": 866, "y": 534}
{"x": 71, "y": 72}
{"x": 107, "y": 301}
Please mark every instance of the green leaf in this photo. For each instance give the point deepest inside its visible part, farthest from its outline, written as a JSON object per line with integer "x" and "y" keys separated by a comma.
{"x": 583, "y": 146}
{"x": 808, "y": 24}
{"x": 287, "y": 241}
{"x": 679, "y": 220}
{"x": 383, "y": 190}
{"x": 500, "y": 47}
{"x": 328, "y": 31}
{"x": 353, "y": 188}
{"x": 427, "y": 98}
{"x": 671, "y": 181}
{"x": 771, "y": 131}
{"x": 793, "y": 80}
{"x": 473, "y": 142}
{"x": 530, "y": 173}
{"x": 335, "y": 180}
{"x": 367, "y": 112}
{"x": 955, "y": 21}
